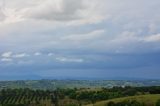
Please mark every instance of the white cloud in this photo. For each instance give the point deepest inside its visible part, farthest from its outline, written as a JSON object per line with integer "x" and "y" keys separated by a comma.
{"x": 64, "y": 59}
{"x": 7, "y": 54}
{"x": 125, "y": 37}
{"x": 132, "y": 37}
{"x": 6, "y": 59}
{"x": 59, "y": 10}
{"x": 152, "y": 38}
{"x": 87, "y": 36}
{"x": 21, "y": 55}
{"x": 50, "y": 54}
{"x": 12, "y": 16}
{"x": 2, "y": 15}
{"x": 37, "y": 54}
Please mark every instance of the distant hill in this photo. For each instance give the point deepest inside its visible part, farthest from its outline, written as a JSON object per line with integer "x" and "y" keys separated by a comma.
{"x": 147, "y": 99}
{"x": 53, "y": 84}
{"x": 37, "y": 77}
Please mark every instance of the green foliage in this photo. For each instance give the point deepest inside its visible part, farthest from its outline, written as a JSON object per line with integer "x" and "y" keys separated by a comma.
{"x": 71, "y": 105}
{"x": 158, "y": 103}
{"x": 111, "y": 103}
{"x": 72, "y": 97}
{"x": 22, "y": 97}
{"x": 142, "y": 100}
{"x": 126, "y": 103}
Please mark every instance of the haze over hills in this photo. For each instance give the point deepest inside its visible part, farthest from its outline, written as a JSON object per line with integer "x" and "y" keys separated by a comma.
{"x": 36, "y": 77}
{"x": 68, "y": 83}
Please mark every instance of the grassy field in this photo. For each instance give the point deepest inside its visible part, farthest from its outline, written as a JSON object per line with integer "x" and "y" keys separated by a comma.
{"x": 148, "y": 99}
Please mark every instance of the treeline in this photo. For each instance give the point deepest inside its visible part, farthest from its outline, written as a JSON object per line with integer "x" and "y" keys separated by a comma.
{"x": 105, "y": 93}
{"x": 72, "y": 97}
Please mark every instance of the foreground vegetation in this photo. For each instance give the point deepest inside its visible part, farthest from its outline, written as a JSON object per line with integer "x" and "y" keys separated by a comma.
{"x": 79, "y": 97}
{"x": 141, "y": 100}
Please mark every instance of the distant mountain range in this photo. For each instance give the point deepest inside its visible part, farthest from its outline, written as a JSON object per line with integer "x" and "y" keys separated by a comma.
{"x": 36, "y": 77}
{"x": 69, "y": 83}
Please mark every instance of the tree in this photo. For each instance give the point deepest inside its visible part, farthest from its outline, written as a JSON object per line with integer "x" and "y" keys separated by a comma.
{"x": 54, "y": 98}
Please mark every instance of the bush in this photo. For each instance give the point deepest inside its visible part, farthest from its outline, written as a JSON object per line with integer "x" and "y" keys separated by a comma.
{"x": 111, "y": 104}
{"x": 158, "y": 103}
{"x": 126, "y": 103}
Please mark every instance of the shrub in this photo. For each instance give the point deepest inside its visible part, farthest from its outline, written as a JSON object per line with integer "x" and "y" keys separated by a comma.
{"x": 158, "y": 103}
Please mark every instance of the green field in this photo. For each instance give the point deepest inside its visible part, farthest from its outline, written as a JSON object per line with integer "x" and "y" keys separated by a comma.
{"x": 147, "y": 99}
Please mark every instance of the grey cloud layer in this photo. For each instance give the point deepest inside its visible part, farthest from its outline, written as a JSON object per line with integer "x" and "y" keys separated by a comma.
{"x": 2, "y": 16}
{"x": 63, "y": 11}
{"x": 77, "y": 29}
{"x": 54, "y": 10}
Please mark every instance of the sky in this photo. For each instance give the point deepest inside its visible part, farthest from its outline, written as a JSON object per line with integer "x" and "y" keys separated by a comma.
{"x": 105, "y": 39}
